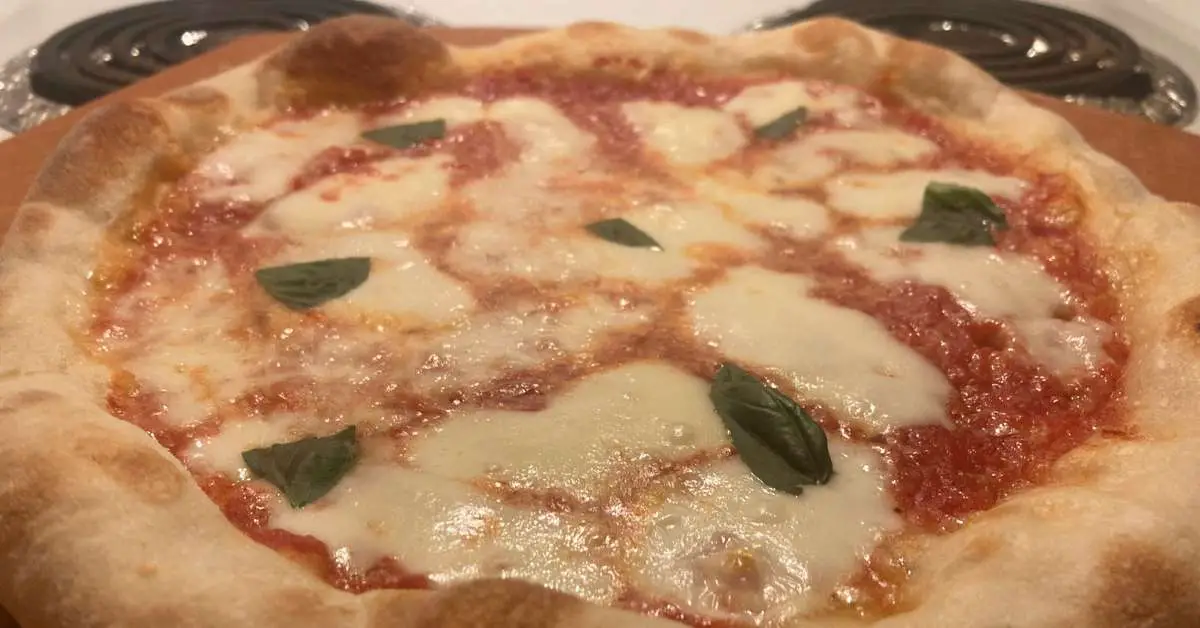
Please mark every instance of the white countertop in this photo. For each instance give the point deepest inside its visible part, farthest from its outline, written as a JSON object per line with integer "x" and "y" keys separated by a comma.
{"x": 1171, "y": 27}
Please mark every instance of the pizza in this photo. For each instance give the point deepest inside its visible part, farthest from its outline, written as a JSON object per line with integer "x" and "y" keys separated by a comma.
{"x": 597, "y": 327}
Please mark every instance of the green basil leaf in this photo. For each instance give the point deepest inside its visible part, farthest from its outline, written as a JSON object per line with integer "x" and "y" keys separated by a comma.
{"x": 309, "y": 284}
{"x": 306, "y": 469}
{"x": 956, "y": 214}
{"x": 783, "y": 126}
{"x": 780, "y": 443}
{"x": 621, "y": 231}
{"x": 404, "y": 136}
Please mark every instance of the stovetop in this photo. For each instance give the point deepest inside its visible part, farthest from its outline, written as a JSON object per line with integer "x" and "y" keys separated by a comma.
{"x": 1137, "y": 56}
{"x": 108, "y": 51}
{"x": 1037, "y": 47}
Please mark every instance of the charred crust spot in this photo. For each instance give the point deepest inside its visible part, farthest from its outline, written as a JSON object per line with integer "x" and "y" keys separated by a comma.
{"x": 26, "y": 495}
{"x": 837, "y": 50}
{"x": 28, "y": 399}
{"x": 139, "y": 468}
{"x": 1185, "y": 320}
{"x": 276, "y": 603}
{"x": 497, "y": 603}
{"x": 1085, "y": 465}
{"x": 1145, "y": 586}
{"x": 981, "y": 548}
{"x": 356, "y": 60}
{"x": 31, "y": 230}
{"x": 593, "y": 30}
{"x": 934, "y": 75}
{"x": 990, "y": 334}
{"x": 33, "y": 220}
{"x": 200, "y": 112}
{"x": 103, "y": 154}
{"x": 692, "y": 38}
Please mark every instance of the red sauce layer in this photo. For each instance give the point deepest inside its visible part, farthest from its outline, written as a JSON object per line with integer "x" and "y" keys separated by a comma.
{"x": 1011, "y": 420}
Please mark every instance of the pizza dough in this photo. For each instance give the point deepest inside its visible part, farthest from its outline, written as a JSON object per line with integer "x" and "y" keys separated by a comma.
{"x": 529, "y": 261}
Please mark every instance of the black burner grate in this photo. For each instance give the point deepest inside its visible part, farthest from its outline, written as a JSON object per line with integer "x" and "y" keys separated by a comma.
{"x": 109, "y": 51}
{"x": 1037, "y": 47}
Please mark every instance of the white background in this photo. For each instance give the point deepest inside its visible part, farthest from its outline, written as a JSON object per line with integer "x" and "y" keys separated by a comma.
{"x": 1172, "y": 27}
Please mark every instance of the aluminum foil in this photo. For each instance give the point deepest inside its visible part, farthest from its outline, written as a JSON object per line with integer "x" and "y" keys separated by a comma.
{"x": 1174, "y": 101}
{"x": 21, "y": 109}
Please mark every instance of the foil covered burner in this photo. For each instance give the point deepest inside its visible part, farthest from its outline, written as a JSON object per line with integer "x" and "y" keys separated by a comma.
{"x": 1031, "y": 46}
{"x": 109, "y": 51}
{"x": 112, "y": 50}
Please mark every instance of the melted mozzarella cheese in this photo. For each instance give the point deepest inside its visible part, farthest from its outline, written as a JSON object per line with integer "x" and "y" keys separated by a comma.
{"x": 490, "y": 345}
{"x": 524, "y": 191}
{"x": 677, "y": 226}
{"x": 571, "y": 253}
{"x": 446, "y": 529}
{"x": 195, "y": 365}
{"x": 259, "y": 165}
{"x": 579, "y": 328}
{"x": 486, "y": 249}
{"x": 760, "y": 104}
{"x": 812, "y": 158}
{"x": 798, "y": 217}
{"x": 839, "y": 357}
{"x": 542, "y": 131}
{"x": 1066, "y": 348}
{"x": 884, "y": 147}
{"x": 899, "y": 194}
{"x": 394, "y": 191}
{"x": 792, "y": 165}
{"x": 586, "y": 438}
{"x": 223, "y": 452}
{"x": 403, "y": 286}
{"x": 454, "y": 110}
{"x": 674, "y": 536}
{"x": 992, "y": 284}
{"x": 728, "y": 544}
{"x": 685, "y": 136}
{"x": 520, "y": 195}
{"x": 544, "y": 134}
{"x": 471, "y": 498}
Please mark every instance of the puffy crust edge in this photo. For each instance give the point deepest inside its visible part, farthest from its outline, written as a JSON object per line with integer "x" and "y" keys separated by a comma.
{"x": 357, "y": 59}
{"x": 83, "y": 480}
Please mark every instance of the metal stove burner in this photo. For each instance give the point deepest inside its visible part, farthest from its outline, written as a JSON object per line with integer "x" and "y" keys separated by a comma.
{"x": 20, "y": 108}
{"x": 1031, "y": 46}
{"x": 109, "y": 51}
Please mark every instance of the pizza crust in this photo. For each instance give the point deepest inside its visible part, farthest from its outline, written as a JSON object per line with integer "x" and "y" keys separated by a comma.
{"x": 100, "y": 526}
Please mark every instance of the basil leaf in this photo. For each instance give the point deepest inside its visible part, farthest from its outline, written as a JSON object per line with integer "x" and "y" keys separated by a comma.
{"x": 955, "y": 214}
{"x": 309, "y": 284}
{"x": 404, "y": 136}
{"x": 306, "y": 469}
{"x": 621, "y": 231}
{"x": 780, "y": 443}
{"x": 783, "y": 126}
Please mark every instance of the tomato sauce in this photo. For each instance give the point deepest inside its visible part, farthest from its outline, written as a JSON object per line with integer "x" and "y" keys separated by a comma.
{"x": 1011, "y": 420}
{"x": 336, "y": 160}
{"x": 249, "y": 510}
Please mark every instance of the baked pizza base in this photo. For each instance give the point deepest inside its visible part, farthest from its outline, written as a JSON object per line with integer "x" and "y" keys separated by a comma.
{"x": 101, "y": 526}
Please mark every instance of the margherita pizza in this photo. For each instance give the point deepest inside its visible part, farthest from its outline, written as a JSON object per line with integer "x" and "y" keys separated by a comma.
{"x": 597, "y": 327}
